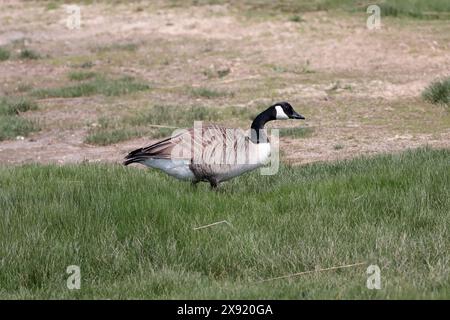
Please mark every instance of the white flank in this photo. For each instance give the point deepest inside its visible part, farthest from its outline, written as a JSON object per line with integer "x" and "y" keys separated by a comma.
{"x": 175, "y": 168}
{"x": 263, "y": 152}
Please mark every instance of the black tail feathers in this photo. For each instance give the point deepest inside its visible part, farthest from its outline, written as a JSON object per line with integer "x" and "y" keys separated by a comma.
{"x": 135, "y": 156}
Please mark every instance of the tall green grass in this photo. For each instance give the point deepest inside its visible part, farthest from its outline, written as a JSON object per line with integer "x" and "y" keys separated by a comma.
{"x": 296, "y": 132}
{"x": 12, "y": 106}
{"x": 131, "y": 231}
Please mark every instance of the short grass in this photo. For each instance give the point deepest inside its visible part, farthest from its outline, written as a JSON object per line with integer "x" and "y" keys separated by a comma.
{"x": 295, "y": 69}
{"x": 85, "y": 65}
{"x": 430, "y": 9}
{"x": 208, "y": 93}
{"x": 98, "y": 85}
{"x": 438, "y": 92}
{"x": 211, "y": 73}
{"x": 29, "y": 54}
{"x": 81, "y": 75}
{"x": 111, "y": 134}
{"x": 116, "y": 47}
{"x": 11, "y": 123}
{"x": 12, "y": 106}
{"x": 110, "y": 131}
{"x": 4, "y": 54}
{"x": 296, "y": 18}
{"x": 131, "y": 231}
{"x": 24, "y": 87}
{"x": 52, "y": 5}
{"x": 296, "y": 132}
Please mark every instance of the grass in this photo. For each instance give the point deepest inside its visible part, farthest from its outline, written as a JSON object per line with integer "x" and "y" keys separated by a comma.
{"x": 207, "y": 93}
{"x": 4, "y": 54}
{"x": 438, "y": 92}
{"x": 98, "y": 85}
{"x": 296, "y": 132}
{"x": 174, "y": 115}
{"x": 262, "y": 6}
{"x": 296, "y": 18}
{"x": 14, "y": 106}
{"x": 29, "y": 54}
{"x": 295, "y": 69}
{"x": 410, "y": 8}
{"x": 110, "y": 135}
{"x": 116, "y": 47}
{"x": 131, "y": 231}
{"x": 116, "y": 129}
{"x": 86, "y": 65}
{"x": 220, "y": 73}
{"x": 433, "y": 9}
{"x": 81, "y": 76}
{"x": 11, "y": 124}
{"x": 24, "y": 87}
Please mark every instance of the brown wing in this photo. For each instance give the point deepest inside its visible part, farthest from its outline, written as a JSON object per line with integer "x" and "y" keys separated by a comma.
{"x": 221, "y": 150}
{"x": 211, "y": 145}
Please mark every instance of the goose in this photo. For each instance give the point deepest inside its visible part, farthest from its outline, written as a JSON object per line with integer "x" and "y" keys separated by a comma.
{"x": 213, "y": 153}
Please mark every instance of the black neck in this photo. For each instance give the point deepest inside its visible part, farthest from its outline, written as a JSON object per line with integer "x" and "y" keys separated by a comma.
{"x": 258, "y": 132}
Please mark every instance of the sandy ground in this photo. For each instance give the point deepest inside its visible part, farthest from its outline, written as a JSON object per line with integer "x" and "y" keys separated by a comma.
{"x": 359, "y": 89}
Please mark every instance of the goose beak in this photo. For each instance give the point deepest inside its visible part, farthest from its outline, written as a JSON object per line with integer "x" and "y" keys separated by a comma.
{"x": 295, "y": 115}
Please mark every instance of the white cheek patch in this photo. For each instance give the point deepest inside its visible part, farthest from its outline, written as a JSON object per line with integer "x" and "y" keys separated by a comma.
{"x": 281, "y": 115}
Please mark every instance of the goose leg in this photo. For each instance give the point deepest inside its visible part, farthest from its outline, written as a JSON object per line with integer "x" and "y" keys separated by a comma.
{"x": 214, "y": 183}
{"x": 194, "y": 183}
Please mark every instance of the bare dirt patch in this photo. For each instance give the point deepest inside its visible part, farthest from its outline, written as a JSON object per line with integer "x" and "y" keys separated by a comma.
{"x": 354, "y": 85}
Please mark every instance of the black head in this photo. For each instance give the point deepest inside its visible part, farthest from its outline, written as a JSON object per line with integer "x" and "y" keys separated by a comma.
{"x": 279, "y": 111}
{"x": 283, "y": 111}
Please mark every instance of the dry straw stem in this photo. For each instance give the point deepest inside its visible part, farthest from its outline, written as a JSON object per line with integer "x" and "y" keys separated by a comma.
{"x": 161, "y": 126}
{"x": 314, "y": 271}
{"x": 213, "y": 224}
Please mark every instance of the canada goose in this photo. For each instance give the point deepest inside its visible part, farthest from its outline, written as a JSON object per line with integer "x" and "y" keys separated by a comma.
{"x": 213, "y": 153}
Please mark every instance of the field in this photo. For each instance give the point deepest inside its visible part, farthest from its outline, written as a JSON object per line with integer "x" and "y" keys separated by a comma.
{"x": 365, "y": 178}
